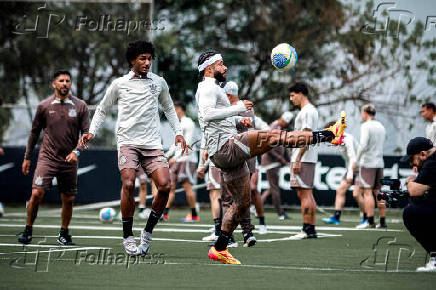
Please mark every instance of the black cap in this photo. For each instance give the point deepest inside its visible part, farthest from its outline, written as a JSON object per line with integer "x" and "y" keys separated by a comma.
{"x": 415, "y": 146}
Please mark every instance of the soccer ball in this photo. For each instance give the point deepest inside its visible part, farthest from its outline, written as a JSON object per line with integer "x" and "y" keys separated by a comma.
{"x": 2, "y": 209}
{"x": 107, "y": 215}
{"x": 283, "y": 57}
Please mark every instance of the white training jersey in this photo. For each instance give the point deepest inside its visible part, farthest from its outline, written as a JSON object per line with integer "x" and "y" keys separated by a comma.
{"x": 370, "y": 152}
{"x": 307, "y": 118}
{"x": 217, "y": 117}
{"x": 138, "y": 101}
{"x": 430, "y": 131}
{"x": 188, "y": 129}
{"x": 348, "y": 153}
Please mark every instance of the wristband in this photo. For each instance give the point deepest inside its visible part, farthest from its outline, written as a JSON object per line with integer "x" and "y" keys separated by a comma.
{"x": 77, "y": 152}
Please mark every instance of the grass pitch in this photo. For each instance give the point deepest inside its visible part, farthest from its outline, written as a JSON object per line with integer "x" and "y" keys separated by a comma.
{"x": 342, "y": 258}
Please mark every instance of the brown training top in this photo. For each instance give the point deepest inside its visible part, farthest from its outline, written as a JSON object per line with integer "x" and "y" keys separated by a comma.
{"x": 62, "y": 121}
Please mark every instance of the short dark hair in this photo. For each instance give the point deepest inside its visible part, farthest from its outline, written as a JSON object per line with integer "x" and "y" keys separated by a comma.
{"x": 430, "y": 106}
{"x": 181, "y": 105}
{"x": 138, "y": 47}
{"x": 202, "y": 58}
{"x": 299, "y": 87}
{"x": 61, "y": 72}
{"x": 369, "y": 109}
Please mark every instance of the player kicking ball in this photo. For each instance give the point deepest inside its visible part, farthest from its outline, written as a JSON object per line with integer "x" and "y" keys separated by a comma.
{"x": 138, "y": 95}
{"x": 229, "y": 150}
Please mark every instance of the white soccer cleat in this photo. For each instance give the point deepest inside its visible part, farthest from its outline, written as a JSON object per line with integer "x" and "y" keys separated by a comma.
{"x": 365, "y": 225}
{"x": 130, "y": 247}
{"x": 144, "y": 246}
{"x": 262, "y": 230}
{"x": 145, "y": 213}
{"x": 210, "y": 238}
{"x": 429, "y": 267}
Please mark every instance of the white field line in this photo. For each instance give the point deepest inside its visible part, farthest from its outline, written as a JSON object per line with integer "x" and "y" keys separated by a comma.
{"x": 58, "y": 249}
{"x": 162, "y": 229}
{"x": 294, "y": 268}
{"x": 320, "y": 235}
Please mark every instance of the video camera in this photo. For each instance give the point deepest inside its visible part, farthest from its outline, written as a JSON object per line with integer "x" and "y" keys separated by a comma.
{"x": 395, "y": 197}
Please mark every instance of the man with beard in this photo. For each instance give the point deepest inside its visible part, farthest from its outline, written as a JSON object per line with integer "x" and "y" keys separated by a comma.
{"x": 229, "y": 150}
{"x": 62, "y": 117}
{"x": 138, "y": 95}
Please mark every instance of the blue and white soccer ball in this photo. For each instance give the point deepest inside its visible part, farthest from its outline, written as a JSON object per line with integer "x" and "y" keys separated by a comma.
{"x": 2, "y": 209}
{"x": 283, "y": 57}
{"x": 107, "y": 215}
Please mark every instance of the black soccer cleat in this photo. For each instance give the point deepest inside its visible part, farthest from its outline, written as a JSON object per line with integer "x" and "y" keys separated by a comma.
{"x": 25, "y": 238}
{"x": 65, "y": 240}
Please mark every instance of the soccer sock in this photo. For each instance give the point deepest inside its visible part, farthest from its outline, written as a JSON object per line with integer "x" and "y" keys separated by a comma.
{"x": 365, "y": 216}
{"x": 193, "y": 212}
{"x": 152, "y": 221}
{"x": 261, "y": 220}
{"x": 63, "y": 232}
{"x": 382, "y": 221}
{"x": 28, "y": 230}
{"x": 322, "y": 136}
{"x": 222, "y": 241}
{"x": 371, "y": 220}
{"x": 217, "y": 226}
{"x": 127, "y": 227}
{"x": 338, "y": 214}
{"x": 166, "y": 210}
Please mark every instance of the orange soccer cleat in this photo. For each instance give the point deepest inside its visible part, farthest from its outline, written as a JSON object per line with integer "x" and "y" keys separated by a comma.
{"x": 223, "y": 256}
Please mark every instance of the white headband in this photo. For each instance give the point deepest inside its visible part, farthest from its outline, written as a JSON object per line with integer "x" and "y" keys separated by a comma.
{"x": 212, "y": 60}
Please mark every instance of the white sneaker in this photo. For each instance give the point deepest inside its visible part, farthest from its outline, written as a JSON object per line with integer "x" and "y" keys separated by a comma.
{"x": 212, "y": 229}
{"x": 144, "y": 246}
{"x": 429, "y": 267}
{"x": 232, "y": 243}
{"x": 262, "y": 230}
{"x": 145, "y": 213}
{"x": 364, "y": 225}
{"x": 130, "y": 247}
{"x": 210, "y": 238}
{"x": 300, "y": 236}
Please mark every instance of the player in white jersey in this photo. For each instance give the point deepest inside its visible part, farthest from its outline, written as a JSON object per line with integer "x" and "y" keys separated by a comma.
{"x": 303, "y": 160}
{"x": 138, "y": 95}
{"x": 349, "y": 155}
{"x": 183, "y": 166}
{"x": 369, "y": 159}
{"x": 229, "y": 150}
{"x": 428, "y": 112}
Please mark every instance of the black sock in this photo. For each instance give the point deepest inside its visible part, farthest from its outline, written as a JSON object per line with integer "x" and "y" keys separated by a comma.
{"x": 166, "y": 210}
{"x": 308, "y": 228}
{"x": 127, "y": 227}
{"x": 382, "y": 221}
{"x": 193, "y": 212}
{"x": 322, "y": 136}
{"x": 261, "y": 220}
{"x": 371, "y": 220}
{"x": 152, "y": 221}
{"x": 222, "y": 241}
{"x": 141, "y": 209}
{"x": 63, "y": 232}
{"x": 28, "y": 230}
{"x": 365, "y": 216}
{"x": 217, "y": 226}
{"x": 338, "y": 214}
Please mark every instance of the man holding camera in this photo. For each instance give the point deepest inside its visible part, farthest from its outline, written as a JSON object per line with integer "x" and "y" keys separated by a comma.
{"x": 420, "y": 214}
